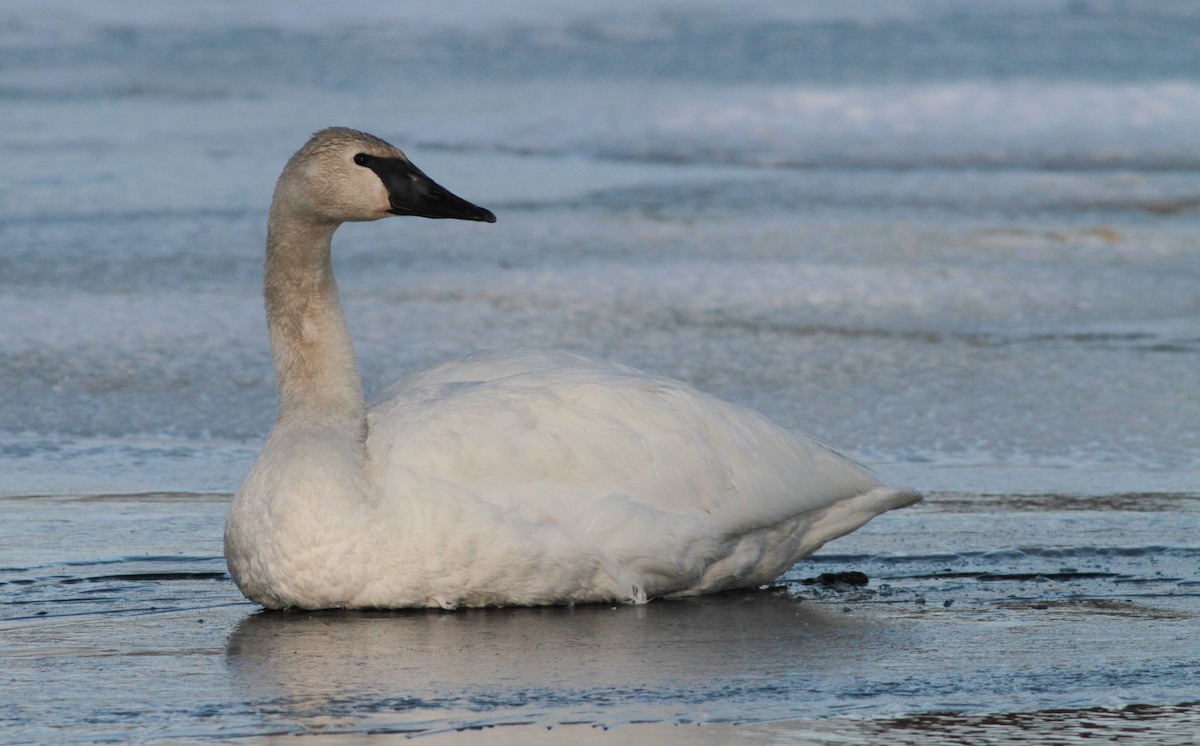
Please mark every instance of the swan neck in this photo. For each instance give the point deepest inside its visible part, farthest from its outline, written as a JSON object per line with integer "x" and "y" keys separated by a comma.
{"x": 315, "y": 370}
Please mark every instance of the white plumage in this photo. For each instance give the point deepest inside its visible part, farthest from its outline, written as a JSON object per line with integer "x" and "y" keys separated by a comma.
{"x": 504, "y": 478}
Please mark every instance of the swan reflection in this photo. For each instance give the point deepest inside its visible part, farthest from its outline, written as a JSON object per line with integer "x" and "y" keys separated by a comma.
{"x": 708, "y": 657}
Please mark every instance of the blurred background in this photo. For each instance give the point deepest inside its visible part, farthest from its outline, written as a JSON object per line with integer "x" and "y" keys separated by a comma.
{"x": 936, "y": 234}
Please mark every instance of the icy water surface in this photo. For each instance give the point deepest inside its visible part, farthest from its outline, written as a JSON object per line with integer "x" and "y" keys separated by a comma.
{"x": 1048, "y": 604}
{"x": 959, "y": 241}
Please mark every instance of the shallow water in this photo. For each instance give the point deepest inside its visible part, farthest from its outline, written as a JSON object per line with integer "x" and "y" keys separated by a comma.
{"x": 1046, "y": 604}
{"x": 958, "y": 242}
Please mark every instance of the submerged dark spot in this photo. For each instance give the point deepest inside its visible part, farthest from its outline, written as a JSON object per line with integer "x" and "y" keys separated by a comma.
{"x": 829, "y": 579}
{"x": 1043, "y": 577}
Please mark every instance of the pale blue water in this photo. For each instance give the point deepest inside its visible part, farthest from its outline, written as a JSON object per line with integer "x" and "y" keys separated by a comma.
{"x": 960, "y": 241}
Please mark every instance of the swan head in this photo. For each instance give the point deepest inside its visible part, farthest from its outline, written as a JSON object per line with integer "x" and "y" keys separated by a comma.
{"x": 343, "y": 175}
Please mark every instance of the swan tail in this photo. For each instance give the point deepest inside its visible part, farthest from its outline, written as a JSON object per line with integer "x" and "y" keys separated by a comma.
{"x": 852, "y": 513}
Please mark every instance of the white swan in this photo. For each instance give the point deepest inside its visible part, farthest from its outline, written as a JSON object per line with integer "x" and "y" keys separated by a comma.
{"x": 510, "y": 479}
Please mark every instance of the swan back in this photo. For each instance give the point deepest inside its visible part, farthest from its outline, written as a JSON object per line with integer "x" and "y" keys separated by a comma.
{"x": 676, "y": 491}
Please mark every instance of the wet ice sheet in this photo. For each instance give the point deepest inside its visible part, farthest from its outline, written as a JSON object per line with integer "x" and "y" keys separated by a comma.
{"x": 945, "y": 338}
{"x": 915, "y": 250}
{"x": 126, "y": 589}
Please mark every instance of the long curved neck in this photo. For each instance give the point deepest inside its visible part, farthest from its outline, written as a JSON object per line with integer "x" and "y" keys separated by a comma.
{"x": 310, "y": 345}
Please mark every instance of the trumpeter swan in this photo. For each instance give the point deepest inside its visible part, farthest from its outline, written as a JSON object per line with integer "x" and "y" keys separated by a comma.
{"x": 502, "y": 478}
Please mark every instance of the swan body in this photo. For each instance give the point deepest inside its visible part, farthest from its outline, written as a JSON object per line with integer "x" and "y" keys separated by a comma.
{"x": 505, "y": 478}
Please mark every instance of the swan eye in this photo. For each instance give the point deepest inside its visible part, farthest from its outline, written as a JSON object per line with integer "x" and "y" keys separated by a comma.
{"x": 361, "y": 159}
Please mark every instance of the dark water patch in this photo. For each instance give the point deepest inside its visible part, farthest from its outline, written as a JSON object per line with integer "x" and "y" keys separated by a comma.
{"x": 123, "y": 497}
{"x": 1015, "y": 554}
{"x": 1161, "y": 724}
{"x": 898, "y": 162}
{"x": 988, "y": 577}
{"x": 141, "y": 585}
{"x": 1172, "y": 207}
{"x": 727, "y": 321}
{"x": 1114, "y": 607}
{"x": 968, "y": 584}
{"x": 150, "y": 560}
{"x": 851, "y": 578}
{"x": 836, "y": 183}
{"x": 1138, "y": 502}
{"x": 149, "y": 577}
{"x": 1137, "y": 43}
